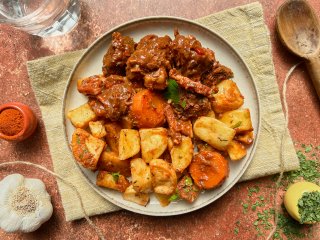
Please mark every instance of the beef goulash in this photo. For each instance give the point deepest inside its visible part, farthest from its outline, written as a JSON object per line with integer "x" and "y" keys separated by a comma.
{"x": 163, "y": 116}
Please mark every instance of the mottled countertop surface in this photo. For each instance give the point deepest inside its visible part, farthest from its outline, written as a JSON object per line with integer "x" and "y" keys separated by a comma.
{"x": 232, "y": 216}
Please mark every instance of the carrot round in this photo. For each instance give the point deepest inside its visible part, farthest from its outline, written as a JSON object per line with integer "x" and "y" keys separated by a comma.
{"x": 147, "y": 109}
{"x": 209, "y": 169}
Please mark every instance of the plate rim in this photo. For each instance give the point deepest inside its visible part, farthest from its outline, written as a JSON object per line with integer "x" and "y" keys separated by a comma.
{"x": 167, "y": 18}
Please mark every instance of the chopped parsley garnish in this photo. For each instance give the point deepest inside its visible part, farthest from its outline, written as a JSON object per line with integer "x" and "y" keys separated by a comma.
{"x": 309, "y": 207}
{"x": 115, "y": 176}
{"x": 172, "y": 91}
{"x": 238, "y": 124}
{"x": 183, "y": 104}
{"x": 188, "y": 181}
{"x": 174, "y": 197}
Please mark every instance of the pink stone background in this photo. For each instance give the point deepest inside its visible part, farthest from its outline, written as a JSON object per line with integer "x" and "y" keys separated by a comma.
{"x": 216, "y": 221}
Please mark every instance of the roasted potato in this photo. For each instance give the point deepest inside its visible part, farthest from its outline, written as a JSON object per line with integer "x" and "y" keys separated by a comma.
{"x": 112, "y": 180}
{"x": 236, "y": 150}
{"x": 137, "y": 197}
{"x": 129, "y": 143}
{"x": 109, "y": 161}
{"x": 238, "y": 120}
{"x": 97, "y": 129}
{"x": 227, "y": 98}
{"x": 154, "y": 142}
{"x": 141, "y": 175}
{"x": 113, "y": 134}
{"x": 245, "y": 137}
{"x": 86, "y": 148}
{"x": 214, "y": 132}
{"x": 164, "y": 178}
{"x": 181, "y": 155}
{"x": 81, "y": 116}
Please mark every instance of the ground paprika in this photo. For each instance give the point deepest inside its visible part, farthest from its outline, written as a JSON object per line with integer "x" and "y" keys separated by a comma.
{"x": 11, "y": 121}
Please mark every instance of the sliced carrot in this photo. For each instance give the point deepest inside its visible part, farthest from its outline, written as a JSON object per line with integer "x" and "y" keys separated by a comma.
{"x": 147, "y": 109}
{"x": 209, "y": 169}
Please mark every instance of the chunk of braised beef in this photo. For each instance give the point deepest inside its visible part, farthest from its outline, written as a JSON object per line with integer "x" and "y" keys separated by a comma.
{"x": 191, "y": 105}
{"x": 150, "y": 61}
{"x": 189, "y": 57}
{"x": 116, "y": 100}
{"x": 216, "y": 74}
{"x": 177, "y": 127}
{"x": 97, "y": 107}
{"x": 113, "y": 80}
{"x": 187, "y": 190}
{"x": 114, "y": 61}
{"x": 92, "y": 85}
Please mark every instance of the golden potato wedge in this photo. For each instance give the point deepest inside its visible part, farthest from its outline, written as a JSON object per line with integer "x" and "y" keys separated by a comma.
{"x": 228, "y": 97}
{"x": 181, "y": 155}
{"x": 154, "y": 142}
{"x": 164, "y": 178}
{"x": 109, "y": 161}
{"x": 245, "y": 137}
{"x": 239, "y": 120}
{"x": 129, "y": 143}
{"x": 97, "y": 129}
{"x": 236, "y": 150}
{"x": 113, "y": 134}
{"x": 86, "y": 148}
{"x": 81, "y": 116}
{"x": 141, "y": 175}
{"x": 213, "y": 132}
{"x": 112, "y": 180}
{"x": 137, "y": 197}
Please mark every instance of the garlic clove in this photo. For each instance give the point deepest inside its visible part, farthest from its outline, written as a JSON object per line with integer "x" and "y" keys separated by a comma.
{"x": 30, "y": 223}
{"x": 35, "y": 185}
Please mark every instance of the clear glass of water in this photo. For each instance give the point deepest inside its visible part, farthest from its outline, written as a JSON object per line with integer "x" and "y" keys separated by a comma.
{"x": 41, "y": 17}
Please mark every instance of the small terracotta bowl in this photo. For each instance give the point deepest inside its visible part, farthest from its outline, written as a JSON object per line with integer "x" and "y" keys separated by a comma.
{"x": 29, "y": 121}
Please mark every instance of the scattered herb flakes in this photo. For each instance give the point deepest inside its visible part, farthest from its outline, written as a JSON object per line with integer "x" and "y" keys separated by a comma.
{"x": 308, "y": 149}
{"x": 289, "y": 227}
{"x": 254, "y": 189}
{"x": 257, "y": 204}
{"x": 188, "y": 181}
{"x": 245, "y": 207}
{"x": 236, "y": 230}
{"x": 238, "y": 124}
{"x": 317, "y": 148}
{"x": 309, "y": 207}
{"x": 115, "y": 176}
{"x": 174, "y": 197}
{"x": 183, "y": 104}
{"x": 309, "y": 170}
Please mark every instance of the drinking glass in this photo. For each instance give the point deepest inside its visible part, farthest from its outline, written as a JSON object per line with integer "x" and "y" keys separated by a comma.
{"x": 41, "y": 17}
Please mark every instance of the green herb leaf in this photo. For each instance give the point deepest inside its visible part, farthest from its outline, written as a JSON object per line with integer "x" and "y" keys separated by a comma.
{"x": 238, "y": 124}
{"x": 174, "y": 197}
{"x": 115, "y": 176}
{"x": 172, "y": 91}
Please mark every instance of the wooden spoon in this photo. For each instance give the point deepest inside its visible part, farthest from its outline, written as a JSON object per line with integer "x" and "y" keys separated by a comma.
{"x": 299, "y": 30}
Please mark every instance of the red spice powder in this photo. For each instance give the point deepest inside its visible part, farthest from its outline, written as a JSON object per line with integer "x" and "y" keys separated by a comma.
{"x": 11, "y": 122}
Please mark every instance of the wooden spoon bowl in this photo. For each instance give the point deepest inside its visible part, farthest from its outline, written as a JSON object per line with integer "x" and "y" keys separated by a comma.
{"x": 299, "y": 30}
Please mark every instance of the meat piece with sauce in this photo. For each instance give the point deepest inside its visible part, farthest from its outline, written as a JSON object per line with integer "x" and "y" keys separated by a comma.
{"x": 150, "y": 62}
{"x": 194, "y": 105}
{"x": 216, "y": 74}
{"x": 116, "y": 100}
{"x": 189, "y": 57}
{"x": 114, "y": 61}
{"x": 92, "y": 85}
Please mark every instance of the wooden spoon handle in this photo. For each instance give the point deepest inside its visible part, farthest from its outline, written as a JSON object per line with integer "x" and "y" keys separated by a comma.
{"x": 313, "y": 65}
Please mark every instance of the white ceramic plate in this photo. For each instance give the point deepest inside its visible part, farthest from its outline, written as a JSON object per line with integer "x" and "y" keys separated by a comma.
{"x": 91, "y": 63}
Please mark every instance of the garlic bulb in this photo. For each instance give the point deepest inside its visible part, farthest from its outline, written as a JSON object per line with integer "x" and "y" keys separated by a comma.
{"x": 24, "y": 204}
